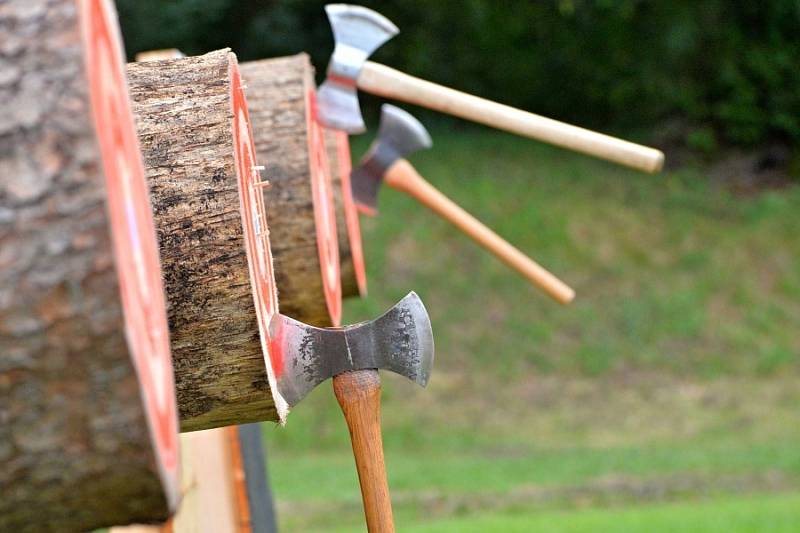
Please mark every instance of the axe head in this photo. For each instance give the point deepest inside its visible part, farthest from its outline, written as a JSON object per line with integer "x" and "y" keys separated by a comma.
{"x": 358, "y": 32}
{"x": 304, "y": 356}
{"x": 399, "y": 134}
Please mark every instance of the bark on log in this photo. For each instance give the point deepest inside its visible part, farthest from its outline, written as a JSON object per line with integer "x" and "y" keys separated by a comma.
{"x": 348, "y": 227}
{"x": 290, "y": 143}
{"x": 193, "y": 128}
{"x": 82, "y": 444}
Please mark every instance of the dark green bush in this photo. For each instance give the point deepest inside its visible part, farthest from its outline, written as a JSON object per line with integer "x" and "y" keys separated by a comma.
{"x": 728, "y": 67}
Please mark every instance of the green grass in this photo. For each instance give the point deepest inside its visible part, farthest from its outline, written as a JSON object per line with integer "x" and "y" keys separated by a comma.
{"x": 775, "y": 514}
{"x": 665, "y": 398}
{"x": 671, "y": 274}
{"x": 319, "y": 476}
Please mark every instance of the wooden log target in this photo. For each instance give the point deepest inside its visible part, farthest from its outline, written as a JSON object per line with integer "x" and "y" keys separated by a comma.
{"x": 88, "y": 425}
{"x": 194, "y": 129}
{"x": 289, "y": 142}
{"x": 348, "y": 227}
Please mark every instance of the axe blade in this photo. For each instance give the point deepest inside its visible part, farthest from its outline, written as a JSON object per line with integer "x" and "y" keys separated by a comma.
{"x": 336, "y": 108}
{"x": 357, "y": 32}
{"x": 399, "y": 135}
{"x": 401, "y": 340}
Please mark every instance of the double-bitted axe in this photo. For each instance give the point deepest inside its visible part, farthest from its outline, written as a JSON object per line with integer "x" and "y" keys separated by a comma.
{"x": 359, "y": 31}
{"x": 400, "y": 134}
{"x": 304, "y": 356}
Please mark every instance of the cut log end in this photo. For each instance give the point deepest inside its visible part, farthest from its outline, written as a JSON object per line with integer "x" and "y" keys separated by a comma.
{"x": 256, "y": 229}
{"x": 209, "y": 209}
{"x": 133, "y": 233}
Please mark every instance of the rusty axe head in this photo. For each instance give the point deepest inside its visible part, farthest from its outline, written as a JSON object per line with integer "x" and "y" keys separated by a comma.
{"x": 304, "y": 356}
{"x": 358, "y": 32}
{"x": 399, "y": 134}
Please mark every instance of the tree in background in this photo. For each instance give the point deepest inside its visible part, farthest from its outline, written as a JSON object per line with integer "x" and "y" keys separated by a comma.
{"x": 723, "y": 69}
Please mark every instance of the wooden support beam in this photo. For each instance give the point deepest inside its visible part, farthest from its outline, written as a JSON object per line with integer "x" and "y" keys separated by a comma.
{"x": 211, "y": 491}
{"x": 220, "y": 492}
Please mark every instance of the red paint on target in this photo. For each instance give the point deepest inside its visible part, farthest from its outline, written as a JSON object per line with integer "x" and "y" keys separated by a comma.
{"x": 351, "y": 211}
{"x": 133, "y": 233}
{"x": 254, "y": 213}
{"x": 324, "y": 213}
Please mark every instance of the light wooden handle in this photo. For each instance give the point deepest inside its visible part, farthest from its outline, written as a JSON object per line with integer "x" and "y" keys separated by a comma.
{"x": 402, "y": 176}
{"x": 359, "y": 395}
{"x": 389, "y": 83}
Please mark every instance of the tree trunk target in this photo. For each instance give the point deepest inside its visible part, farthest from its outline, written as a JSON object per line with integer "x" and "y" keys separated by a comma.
{"x": 89, "y": 428}
{"x": 289, "y": 143}
{"x": 207, "y": 193}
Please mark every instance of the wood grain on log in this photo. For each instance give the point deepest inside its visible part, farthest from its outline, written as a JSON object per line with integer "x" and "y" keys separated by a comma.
{"x": 289, "y": 142}
{"x": 82, "y": 319}
{"x": 348, "y": 227}
{"x": 192, "y": 125}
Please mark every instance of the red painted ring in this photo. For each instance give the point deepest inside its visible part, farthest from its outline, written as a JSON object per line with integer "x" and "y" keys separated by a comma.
{"x": 351, "y": 216}
{"x": 133, "y": 234}
{"x": 256, "y": 231}
{"x": 324, "y": 212}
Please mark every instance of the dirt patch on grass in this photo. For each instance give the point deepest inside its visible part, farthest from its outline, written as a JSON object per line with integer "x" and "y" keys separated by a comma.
{"x": 623, "y": 408}
{"x": 616, "y": 490}
{"x": 604, "y": 492}
{"x": 747, "y": 173}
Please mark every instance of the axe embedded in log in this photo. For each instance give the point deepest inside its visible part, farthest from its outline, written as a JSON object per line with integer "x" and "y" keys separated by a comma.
{"x": 359, "y": 31}
{"x": 300, "y": 355}
{"x": 400, "y": 134}
{"x": 304, "y": 356}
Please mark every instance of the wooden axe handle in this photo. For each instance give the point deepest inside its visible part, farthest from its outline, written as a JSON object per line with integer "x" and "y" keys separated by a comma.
{"x": 403, "y": 177}
{"x": 359, "y": 395}
{"x": 389, "y": 83}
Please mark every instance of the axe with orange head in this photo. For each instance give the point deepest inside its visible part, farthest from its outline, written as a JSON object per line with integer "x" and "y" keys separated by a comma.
{"x": 400, "y": 134}
{"x": 359, "y": 31}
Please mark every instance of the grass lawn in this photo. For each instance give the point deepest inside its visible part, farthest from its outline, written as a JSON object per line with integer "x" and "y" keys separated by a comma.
{"x": 776, "y": 514}
{"x": 665, "y": 398}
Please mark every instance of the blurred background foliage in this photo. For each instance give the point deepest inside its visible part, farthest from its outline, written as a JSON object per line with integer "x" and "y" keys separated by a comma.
{"x": 715, "y": 72}
{"x": 665, "y": 398}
